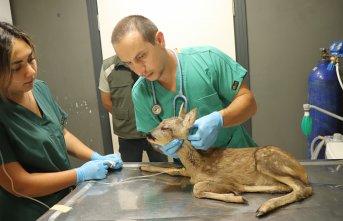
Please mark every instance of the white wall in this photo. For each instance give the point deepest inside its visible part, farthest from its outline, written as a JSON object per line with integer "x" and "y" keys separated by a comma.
{"x": 184, "y": 23}
{"x": 5, "y": 11}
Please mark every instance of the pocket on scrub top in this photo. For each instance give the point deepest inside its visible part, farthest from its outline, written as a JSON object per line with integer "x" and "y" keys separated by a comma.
{"x": 56, "y": 135}
{"x": 209, "y": 103}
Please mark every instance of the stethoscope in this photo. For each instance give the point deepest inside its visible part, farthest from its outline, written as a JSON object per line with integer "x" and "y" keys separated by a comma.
{"x": 156, "y": 107}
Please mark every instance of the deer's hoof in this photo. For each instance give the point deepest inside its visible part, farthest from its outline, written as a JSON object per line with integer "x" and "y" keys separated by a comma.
{"x": 259, "y": 213}
{"x": 262, "y": 211}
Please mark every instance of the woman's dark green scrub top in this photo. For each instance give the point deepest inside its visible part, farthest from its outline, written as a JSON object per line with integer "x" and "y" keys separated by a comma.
{"x": 37, "y": 144}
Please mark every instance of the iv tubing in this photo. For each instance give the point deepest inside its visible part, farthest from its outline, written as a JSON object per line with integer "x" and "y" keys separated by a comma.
{"x": 12, "y": 184}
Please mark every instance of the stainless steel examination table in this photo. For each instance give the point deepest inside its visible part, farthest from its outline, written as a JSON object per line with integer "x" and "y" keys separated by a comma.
{"x": 123, "y": 196}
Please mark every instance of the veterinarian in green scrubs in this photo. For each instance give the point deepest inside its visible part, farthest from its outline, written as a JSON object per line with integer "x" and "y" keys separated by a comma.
{"x": 207, "y": 72}
{"x": 210, "y": 80}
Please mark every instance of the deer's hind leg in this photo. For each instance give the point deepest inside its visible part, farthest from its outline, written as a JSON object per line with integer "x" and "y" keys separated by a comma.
{"x": 218, "y": 191}
{"x": 173, "y": 171}
{"x": 300, "y": 191}
{"x": 281, "y": 167}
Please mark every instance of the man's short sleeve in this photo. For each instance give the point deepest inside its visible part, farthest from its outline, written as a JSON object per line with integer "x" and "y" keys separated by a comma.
{"x": 103, "y": 83}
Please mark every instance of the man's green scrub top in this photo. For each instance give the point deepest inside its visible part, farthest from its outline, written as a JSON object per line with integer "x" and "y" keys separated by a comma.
{"x": 211, "y": 80}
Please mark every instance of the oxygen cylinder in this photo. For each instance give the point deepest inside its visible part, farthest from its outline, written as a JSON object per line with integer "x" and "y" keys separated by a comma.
{"x": 325, "y": 92}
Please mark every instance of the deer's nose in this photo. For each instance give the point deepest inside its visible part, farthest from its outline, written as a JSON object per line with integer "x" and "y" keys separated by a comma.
{"x": 149, "y": 135}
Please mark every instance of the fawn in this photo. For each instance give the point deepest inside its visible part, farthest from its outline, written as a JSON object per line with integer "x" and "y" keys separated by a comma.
{"x": 224, "y": 173}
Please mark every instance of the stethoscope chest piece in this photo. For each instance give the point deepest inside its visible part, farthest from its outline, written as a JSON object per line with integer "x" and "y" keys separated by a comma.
{"x": 156, "y": 109}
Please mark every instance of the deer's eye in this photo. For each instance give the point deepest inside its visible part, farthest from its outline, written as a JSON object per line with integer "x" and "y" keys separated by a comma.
{"x": 164, "y": 128}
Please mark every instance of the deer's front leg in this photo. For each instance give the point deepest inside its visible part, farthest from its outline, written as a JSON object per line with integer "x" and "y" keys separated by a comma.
{"x": 168, "y": 170}
{"x": 217, "y": 191}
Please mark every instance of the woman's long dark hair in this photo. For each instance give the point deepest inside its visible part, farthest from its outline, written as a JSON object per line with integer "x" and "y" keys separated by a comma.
{"x": 7, "y": 33}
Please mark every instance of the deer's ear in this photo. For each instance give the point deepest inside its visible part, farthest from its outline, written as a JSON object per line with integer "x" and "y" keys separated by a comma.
{"x": 190, "y": 118}
{"x": 182, "y": 112}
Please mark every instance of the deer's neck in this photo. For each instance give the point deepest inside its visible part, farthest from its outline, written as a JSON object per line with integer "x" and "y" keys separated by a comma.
{"x": 189, "y": 156}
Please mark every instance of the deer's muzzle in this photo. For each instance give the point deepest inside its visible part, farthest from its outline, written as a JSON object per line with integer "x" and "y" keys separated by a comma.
{"x": 149, "y": 136}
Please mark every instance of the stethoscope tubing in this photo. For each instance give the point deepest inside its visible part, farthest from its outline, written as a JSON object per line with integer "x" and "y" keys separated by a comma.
{"x": 156, "y": 108}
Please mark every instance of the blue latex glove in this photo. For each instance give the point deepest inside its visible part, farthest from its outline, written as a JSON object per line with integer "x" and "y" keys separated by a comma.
{"x": 96, "y": 169}
{"x": 170, "y": 148}
{"x": 115, "y": 158}
{"x": 207, "y": 129}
